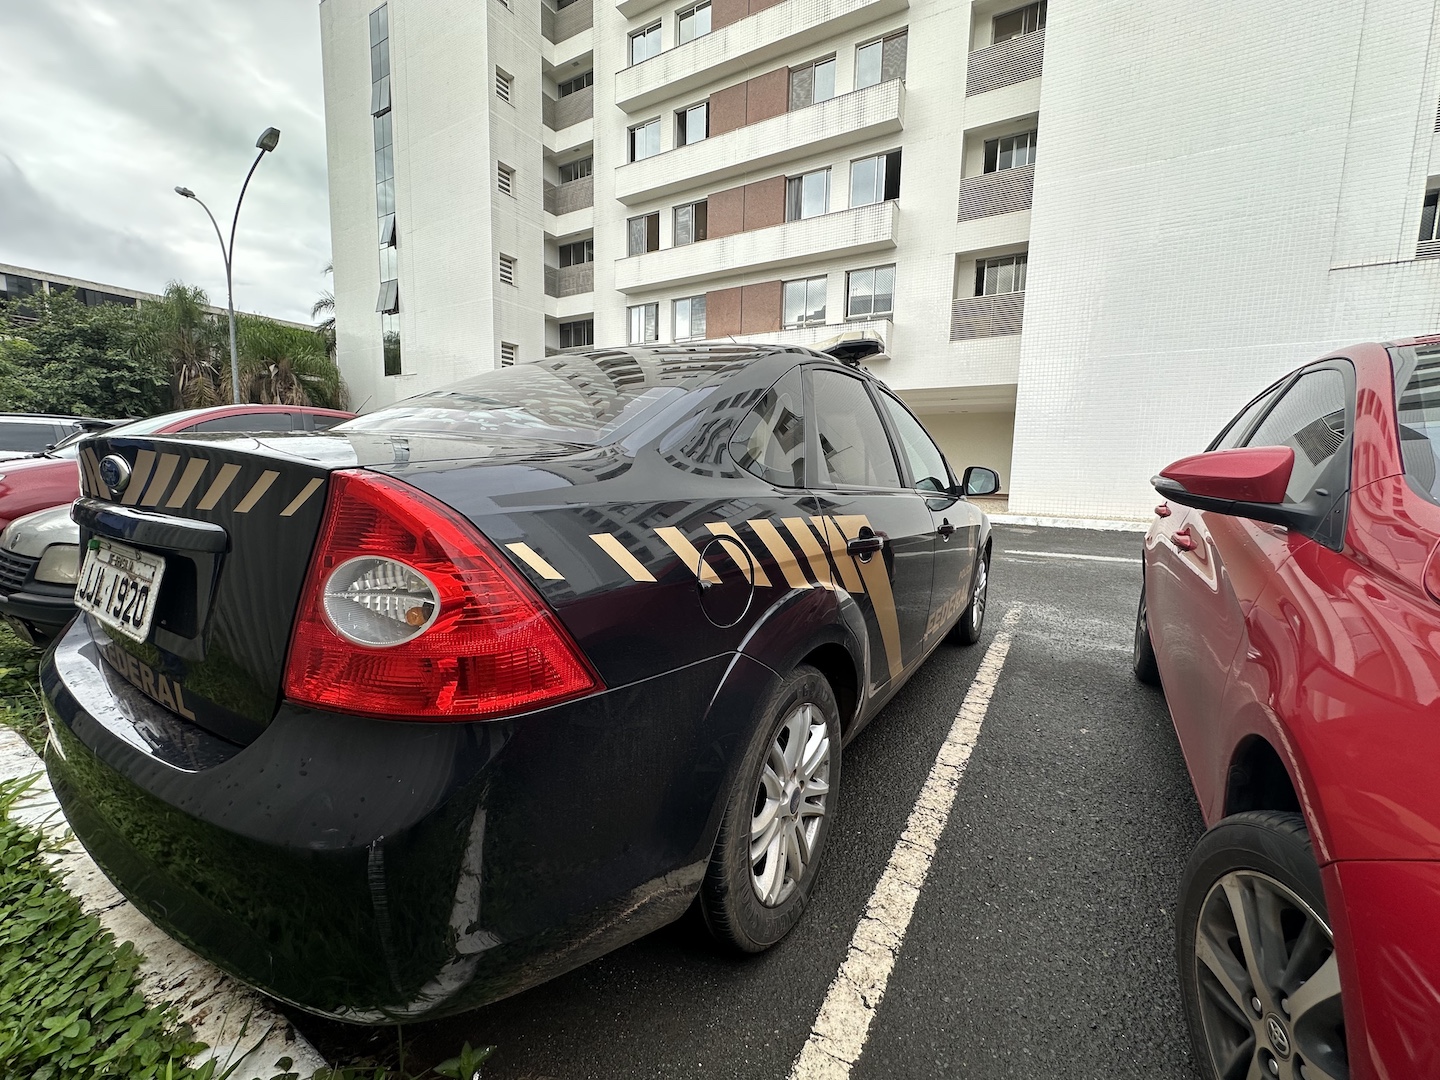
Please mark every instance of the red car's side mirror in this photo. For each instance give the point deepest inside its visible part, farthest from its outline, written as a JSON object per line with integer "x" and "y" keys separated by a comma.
{"x": 1257, "y": 474}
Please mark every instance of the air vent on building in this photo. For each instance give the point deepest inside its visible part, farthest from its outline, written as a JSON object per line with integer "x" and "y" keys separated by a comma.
{"x": 503, "y": 84}
{"x": 505, "y": 178}
{"x": 507, "y": 269}
{"x": 507, "y": 353}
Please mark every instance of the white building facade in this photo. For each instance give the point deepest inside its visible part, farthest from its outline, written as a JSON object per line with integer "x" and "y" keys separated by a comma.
{"x": 1222, "y": 192}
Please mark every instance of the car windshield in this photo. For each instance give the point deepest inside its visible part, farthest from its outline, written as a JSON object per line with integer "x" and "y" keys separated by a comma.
{"x": 27, "y": 438}
{"x": 588, "y": 399}
{"x": 1417, "y": 400}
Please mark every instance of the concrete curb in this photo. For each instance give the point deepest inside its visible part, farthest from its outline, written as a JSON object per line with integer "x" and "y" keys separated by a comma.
{"x": 240, "y": 1027}
{"x": 1103, "y": 524}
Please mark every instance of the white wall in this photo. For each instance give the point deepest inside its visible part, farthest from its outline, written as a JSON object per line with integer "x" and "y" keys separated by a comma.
{"x": 974, "y": 438}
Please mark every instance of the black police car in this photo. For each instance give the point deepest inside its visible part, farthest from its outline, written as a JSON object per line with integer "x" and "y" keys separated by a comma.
{"x": 397, "y": 719}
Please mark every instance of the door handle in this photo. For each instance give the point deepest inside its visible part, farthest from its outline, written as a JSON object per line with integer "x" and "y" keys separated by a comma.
{"x": 1183, "y": 540}
{"x": 864, "y": 546}
{"x": 1163, "y": 510}
{"x": 945, "y": 529}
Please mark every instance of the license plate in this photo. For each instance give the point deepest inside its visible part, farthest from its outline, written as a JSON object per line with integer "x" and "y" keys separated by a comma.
{"x": 118, "y": 585}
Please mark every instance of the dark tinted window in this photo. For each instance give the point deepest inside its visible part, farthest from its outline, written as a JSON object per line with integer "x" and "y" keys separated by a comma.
{"x": 1310, "y": 419}
{"x": 251, "y": 422}
{"x": 770, "y": 441}
{"x": 319, "y": 422}
{"x": 31, "y": 438}
{"x": 927, "y": 463}
{"x": 1417, "y": 395}
{"x": 1237, "y": 428}
{"x": 854, "y": 449}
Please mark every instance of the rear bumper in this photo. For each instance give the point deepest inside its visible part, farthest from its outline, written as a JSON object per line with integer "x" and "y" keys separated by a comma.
{"x": 1393, "y": 991}
{"x": 374, "y": 870}
{"x": 46, "y": 607}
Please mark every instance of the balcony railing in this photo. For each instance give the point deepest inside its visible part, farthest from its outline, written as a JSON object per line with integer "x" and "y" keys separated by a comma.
{"x": 849, "y": 118}
{"x": 840, "y": 234}
{"x": 986, "y": 316}
{"x": 993, "y": 193}
{"x": 560, "y": 113}
{"x": 576, "y": 195}
{"x": 568, "y": 21}
{"x": 569, "y": 280}
{"x": 1005, "y": 64}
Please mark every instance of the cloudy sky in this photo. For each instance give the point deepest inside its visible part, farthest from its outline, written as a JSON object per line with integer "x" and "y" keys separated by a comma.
{"x": 109, "y": 105}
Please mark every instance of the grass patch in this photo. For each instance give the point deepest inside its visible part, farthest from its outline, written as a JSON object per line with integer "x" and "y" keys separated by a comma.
{"x": 20, "y": 706}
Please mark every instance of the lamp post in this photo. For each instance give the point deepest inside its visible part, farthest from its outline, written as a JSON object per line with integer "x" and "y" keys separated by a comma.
{"x": 269, "y": 139}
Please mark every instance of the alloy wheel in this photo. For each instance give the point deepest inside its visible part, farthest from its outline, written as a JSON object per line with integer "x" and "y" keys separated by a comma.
{"x": 977, "y": 602}
{"x": 1269, "y": 983}
{"x": 790, "y": 804}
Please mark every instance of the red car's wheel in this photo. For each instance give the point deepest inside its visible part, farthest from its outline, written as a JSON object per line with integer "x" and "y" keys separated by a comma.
{"x": 1258, "y": 971}
{"x": 1145, "y": 666}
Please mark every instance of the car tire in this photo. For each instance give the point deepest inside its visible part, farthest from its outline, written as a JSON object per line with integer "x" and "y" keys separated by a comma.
{"x": 1147, "y": 669}
{"x": 972, "y": 622}
{"x": 748, "y": 903}
{"x": 1251, "y": 900}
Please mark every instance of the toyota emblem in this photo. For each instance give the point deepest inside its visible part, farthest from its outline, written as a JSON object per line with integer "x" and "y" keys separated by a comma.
{"x": 115, "y": 473}
{"x": 1278, "y": 1038}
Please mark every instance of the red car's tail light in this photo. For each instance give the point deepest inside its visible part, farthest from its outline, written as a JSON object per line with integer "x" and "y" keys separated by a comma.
{"x": 409, "y": 613}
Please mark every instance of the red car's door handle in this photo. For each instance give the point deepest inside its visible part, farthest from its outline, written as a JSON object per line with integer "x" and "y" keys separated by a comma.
{"x": 1163, "y": 510}
{"x": 1183, "y": 540}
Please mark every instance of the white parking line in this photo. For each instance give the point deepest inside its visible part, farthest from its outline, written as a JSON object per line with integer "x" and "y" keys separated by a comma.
{"x": 843, "y": 1024}
{"x": 1073, "y": 555}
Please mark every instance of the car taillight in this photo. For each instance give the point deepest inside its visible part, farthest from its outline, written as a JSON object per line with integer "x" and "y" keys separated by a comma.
{"x": 409, "y": 613}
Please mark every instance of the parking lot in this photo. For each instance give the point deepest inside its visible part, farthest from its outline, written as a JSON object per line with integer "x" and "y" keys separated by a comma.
{"x": 1042, "y": 941}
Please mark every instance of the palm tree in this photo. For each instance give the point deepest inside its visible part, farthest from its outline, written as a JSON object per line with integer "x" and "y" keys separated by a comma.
{"x": 287, "y": 365}
{"x": 178, "y": 329}
{"x": 326, "y": 306}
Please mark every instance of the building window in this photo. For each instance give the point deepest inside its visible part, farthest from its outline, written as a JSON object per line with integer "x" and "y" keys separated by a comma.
{"x": 645, "y": 140}
{"x": 692, "y": 22}
{"x": 875, "y": 179}
{"x": 691, "y": 221}
{"x": 579, "y": 82}
{"x": 645, "y": 43}
{"x": 880, "y": 61}
{"x": 870, "y": 293}
{"x": 812, "y": 83}
{"x": 505, "y": 179}
{"x": 576, "y": 170}
{"x": 577, "y": 334}
{"x": 578, "y": 253}
{"x": 689, "y": 318}
{"x": 387, "y": 303}
{"x": 507, "y": 269}
{"x": 1021, "y": 21}
{"x": 805, "y": 302}
{"x": 508, "y": 352}
{"x": 1427, "y": 216}
{"x": 503, "y": 85}
{"x": 807, "y": 196}
{"x": 692, "y": 124}
{"x": 643, "y": 233}
{"x": 1010, "y": 151}
{"x": 644, "y": 323}
{"x": 1005, "y": 274}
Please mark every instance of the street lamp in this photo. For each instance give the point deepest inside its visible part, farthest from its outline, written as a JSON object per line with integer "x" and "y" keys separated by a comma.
{"x": 269, "y": 139}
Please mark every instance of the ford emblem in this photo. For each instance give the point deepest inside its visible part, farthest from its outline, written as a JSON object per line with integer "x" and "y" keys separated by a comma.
{"x": 115, "y": 473}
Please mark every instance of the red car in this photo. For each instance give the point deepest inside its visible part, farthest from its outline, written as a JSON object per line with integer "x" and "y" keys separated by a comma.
{"x": 1291, "y": 611}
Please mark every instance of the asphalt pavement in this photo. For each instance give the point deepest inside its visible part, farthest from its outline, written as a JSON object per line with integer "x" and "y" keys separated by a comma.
{"x": 1042, "y": 941}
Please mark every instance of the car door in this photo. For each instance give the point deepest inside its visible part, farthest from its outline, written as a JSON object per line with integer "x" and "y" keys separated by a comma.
{"x": 877, "y": 529}
{"x": 954, "y": 522}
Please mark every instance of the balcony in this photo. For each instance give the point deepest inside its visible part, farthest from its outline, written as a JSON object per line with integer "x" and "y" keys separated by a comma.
{"x": 570, "y": 20}
{"x": 561, "y": 113}
{"x": 986, "y": 316}
{"x": 838, "y": 235}
{"x": 876, "y": 110}
{"x": 1010, "y": 62}
{"x": 993, "y": 193}
{"x": 677, "y": 72}
{"x": 566, "y": 198}
{"x": 569, "y": 280}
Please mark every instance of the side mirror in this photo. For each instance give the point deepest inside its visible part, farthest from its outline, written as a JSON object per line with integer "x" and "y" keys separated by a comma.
{"x": 979, "y": 480}
{"x": 1246, "y": 482}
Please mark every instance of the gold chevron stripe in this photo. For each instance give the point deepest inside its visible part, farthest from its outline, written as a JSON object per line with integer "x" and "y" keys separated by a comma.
{"x": 304, "y": 497}
{"x": 877, "y": 580}
{"x": 844, "y": 561}
{"x": 623, "y": 559}
{"x": 688, "y": 555}
{"x": 161, "y": 480}
{"x": 724, "y": 529}
{"x": 144, "y": 462}
{"x": 257, "y": 491}
{"x": 218, "y": 487}
{"x": 533, "y": 559}
{"x": 814, "y": 553}
{"x": 194, "y": 469}
{"x": 91, "y": 467}
{"x": 781, "y": 552}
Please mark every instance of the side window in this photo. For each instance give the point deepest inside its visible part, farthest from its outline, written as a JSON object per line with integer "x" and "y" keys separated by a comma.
{"x": 770, "y": 441}
{"x": 854, "y": 449}
{"x": 927, "y": 463}
{"x": 320, "y": 422}
{"x": 1310, "y": 419}
{"x": 1417, "y": 398}
{"x": 1236, "y": 429}
{"x": 248, "y": 422}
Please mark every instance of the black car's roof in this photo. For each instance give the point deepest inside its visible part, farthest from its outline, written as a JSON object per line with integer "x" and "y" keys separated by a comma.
{"x": 586, "y": 398}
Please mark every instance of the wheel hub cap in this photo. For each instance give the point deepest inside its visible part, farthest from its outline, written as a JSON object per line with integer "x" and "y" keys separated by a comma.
{"x": 790, "y": 804}
{"x": 1279, "y": 1038}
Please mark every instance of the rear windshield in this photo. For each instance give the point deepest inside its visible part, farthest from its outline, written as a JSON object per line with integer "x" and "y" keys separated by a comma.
{"x": 1417, "y": 400}
{"x": 31, "y": 438}
{"x": 587, "y": 399}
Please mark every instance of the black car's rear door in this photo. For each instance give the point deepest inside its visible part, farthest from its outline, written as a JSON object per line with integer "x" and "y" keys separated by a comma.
{"x": 878, "y": 529}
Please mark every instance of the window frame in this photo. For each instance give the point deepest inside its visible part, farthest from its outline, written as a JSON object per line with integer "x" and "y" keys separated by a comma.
{"x": 800, "y": 203}
{"x": 873, "y": 271}
{"x": 689, "y": 301}
{"x": 505, "y": 179}
{"x": 509, "y": 353}
{"x": 575, "y": 164}
{"x": 695, "y": 238}
{"x": 981, "y": 265}
{"x": 813, "y": 66}
{"x": 630, "y": 311}
{"x": 680, "y": 16}
{"x": 508, "y": 265}
{"x": 1030, "y": 134}
{"x": 634, "y": 130}
{"x": 643, "y": 33}
{"x": 880, "y": 70}
{"x": 824, "y": 280}
{"x": 646, "y": 249}
{"x": 812, "y": 434}
{"x": 682, "y": 123}
{"x": 578, "y": 322}
{"x": 587, "y": 249}
{"x": 505, "y": 86}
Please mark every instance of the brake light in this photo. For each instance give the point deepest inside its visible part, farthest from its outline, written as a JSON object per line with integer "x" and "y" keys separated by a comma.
{"x": 408, "y": 612}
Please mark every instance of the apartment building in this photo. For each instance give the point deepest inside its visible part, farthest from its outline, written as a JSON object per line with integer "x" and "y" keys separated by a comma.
{"x": 1223, "y": 192}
